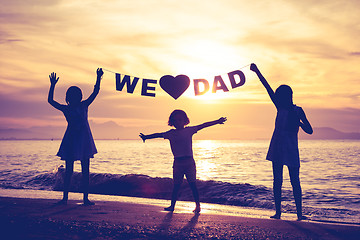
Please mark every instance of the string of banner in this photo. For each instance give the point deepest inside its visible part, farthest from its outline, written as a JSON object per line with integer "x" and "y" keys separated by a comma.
{"x": 176, "y": 86}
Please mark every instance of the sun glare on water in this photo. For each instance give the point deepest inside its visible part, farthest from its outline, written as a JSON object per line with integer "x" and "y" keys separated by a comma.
{"x": 205, "y": 150}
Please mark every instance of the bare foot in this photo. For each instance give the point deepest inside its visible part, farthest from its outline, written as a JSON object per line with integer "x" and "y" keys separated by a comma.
{"x": 170, "y": 209}
{"x": 197, "y": 209}
{"x": 301, "y": 218}
{"x": 88, "y": 203}
{"x": 62, "y": 202}
{"x": 276, "y": 216}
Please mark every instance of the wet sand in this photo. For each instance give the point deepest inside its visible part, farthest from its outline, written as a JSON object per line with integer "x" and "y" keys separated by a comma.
{"x": 39, "y": 218}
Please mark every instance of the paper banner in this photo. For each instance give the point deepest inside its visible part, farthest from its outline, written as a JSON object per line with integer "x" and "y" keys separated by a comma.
{"x": 176, "y": 86}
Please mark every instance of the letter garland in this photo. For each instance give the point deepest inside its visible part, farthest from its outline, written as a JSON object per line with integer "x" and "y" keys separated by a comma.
{"x": 176, "y": 86}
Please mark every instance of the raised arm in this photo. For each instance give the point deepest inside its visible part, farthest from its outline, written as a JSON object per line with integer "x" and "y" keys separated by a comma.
{"x": 212, "y": 123}
{"x": 91, "y": 98}
{"x": 151, "y": 136}
{"x": 304, "y": 123}
{"x": 271, "y": 93}
{"x": 53, "y": 81}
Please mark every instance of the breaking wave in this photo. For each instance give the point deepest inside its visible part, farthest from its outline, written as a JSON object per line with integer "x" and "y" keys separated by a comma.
{"x": 138, "y": 185}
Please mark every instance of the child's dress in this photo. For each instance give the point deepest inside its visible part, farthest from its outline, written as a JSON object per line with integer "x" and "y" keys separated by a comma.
{"x": 78, "y": 142}
{"x": 283, "y": 147}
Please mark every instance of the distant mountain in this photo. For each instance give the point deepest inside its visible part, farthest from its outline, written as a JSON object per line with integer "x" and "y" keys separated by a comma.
{"x": 328, "y": 133}
{"x": 44, "y": 132}
{"x": 107, "y": 130}
{"x": 111, "y": 130}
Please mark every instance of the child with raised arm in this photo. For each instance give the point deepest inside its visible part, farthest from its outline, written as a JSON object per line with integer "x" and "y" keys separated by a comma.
{"x": 181, "y": 146}
{"x": 283, "y": 149}
{"x": 78, "y": 142}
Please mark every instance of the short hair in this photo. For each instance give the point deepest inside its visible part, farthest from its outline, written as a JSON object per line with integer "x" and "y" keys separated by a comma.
{"x": 178, "y": 112}
{"x": 73, "y": 95}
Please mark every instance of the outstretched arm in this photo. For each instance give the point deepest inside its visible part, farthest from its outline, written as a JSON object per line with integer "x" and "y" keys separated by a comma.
{"x": 91, "y": 98}
{"x": 151, "y": 136}
{"x": 271, "y": 93}
{"x": 304, "y": 123}
{"x": 212, "y": 123}
{"x": 53, "y": 81}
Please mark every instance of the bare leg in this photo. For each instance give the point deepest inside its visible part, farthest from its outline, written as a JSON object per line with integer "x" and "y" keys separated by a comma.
{"x": 277, "y": 184}
{"x": 69, "y": 169}
{"x": 196, "y": 196}
{"x": 174, "y": 196}
{"x": 178, "y": 177}
{"x": 295, "y": 183}
{"x": 85, "y": 171}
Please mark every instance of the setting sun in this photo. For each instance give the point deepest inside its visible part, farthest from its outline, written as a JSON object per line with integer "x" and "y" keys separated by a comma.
{"x": 209, "y": 40}
{"x": 205, "y": 58}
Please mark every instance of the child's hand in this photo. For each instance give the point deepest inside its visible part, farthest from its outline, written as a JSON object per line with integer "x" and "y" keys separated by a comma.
{"x": 253, "y": 67}
{"x": 53, "y": 79}
{"x": 99, "y": 72}
{"x": 222, "y": 120}
{"x": 143, "y": 136}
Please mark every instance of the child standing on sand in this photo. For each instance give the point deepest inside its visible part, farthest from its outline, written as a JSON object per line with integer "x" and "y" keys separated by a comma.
{"x": 283, "y": 149}
{"x": 78, "y": 142}
{"x": 181, "y": 146}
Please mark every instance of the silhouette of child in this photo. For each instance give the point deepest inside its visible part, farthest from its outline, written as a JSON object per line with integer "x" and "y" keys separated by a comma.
{"x": 283, "y": 149}
{"x": 181, "y": 146}
{"x": 78, "y": 142}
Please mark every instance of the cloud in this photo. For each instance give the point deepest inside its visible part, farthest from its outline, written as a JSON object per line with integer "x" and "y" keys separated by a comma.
{"x": 343, "y": 119}
{"x": 308, "y": 45}
{"x": 354, "y": 53}
{"x": 18, "y": 107}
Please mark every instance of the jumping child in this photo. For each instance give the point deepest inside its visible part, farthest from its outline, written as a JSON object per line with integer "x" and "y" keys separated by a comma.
{"x": 181, "y": 146}
{"x": 78, "y": 142}
{"x": 283, "y": 149}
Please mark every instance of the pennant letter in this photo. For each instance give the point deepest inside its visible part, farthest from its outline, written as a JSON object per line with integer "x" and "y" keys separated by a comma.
{"x": 130, "y": 86}
{"x": 197, "y": 88}
{"x": 217, "y": 80}
{"x": 232, "y": 78}
{"x": 145, "y": 87}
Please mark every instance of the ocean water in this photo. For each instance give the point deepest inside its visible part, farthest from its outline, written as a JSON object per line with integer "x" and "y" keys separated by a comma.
{"x": 230, "y": 172}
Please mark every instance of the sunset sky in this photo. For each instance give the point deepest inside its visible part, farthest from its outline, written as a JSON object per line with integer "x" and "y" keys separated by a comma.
{"x": 313, "y": 46}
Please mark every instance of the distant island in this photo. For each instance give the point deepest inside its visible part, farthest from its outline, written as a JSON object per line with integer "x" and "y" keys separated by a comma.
{"x": 329, "y": 133}
{"x": 111, "y": 130}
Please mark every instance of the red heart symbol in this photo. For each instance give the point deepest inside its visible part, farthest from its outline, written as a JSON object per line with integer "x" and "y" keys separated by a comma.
{"x": 174, "y": 86}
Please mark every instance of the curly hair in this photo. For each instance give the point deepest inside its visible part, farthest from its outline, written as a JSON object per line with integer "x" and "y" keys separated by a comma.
{"x": 178, "y": 112}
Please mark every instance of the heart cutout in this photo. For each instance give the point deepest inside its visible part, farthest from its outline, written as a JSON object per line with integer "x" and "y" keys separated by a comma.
{"x": 174, "y": 86}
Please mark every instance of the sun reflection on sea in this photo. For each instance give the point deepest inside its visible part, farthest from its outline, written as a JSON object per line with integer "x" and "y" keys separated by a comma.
{"x": 205, "y": 154}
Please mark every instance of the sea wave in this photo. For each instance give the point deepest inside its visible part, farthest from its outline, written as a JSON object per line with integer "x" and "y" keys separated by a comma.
{"x": 241, "y": 194}
{"x": 138, "y": 185}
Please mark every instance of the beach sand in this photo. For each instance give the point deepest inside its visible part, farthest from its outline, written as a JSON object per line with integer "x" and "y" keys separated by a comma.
{"x": 34, "y": 216}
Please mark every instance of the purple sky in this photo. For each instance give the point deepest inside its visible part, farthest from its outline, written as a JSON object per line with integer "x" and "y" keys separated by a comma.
{"x": 312, "y": 46}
